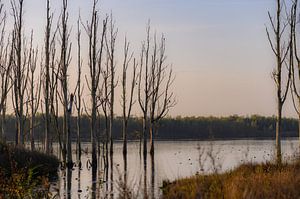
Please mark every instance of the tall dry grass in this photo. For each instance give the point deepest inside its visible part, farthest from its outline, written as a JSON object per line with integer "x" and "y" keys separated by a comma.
{"x": 249, "y": 181}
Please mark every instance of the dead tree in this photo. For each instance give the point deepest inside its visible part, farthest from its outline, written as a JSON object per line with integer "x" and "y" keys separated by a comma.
{"x": 54, "y": 97}
{"x": 295, "y": 60}
{"x": 5, "y": 68}
{"x": 53, "y": 85}
{"x": 105, "y": 107}
{"x": 161, "y": 79}
{"x": 64, "y": 63}
{"x": 47, "y": 77}
{"x": 127, "y": 110}
{"x": 79, "y": 92}
{"x": 110, "y": 41}
{"x": 33, "y": 91}
{"x": 95, "y": 61}
{"x": 280, "y": 48}
{"x": 20, "y": 69}
{"x": 144, "y": 87}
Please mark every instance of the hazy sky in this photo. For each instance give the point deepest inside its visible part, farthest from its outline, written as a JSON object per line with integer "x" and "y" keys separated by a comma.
{"x": 218, "y": 48}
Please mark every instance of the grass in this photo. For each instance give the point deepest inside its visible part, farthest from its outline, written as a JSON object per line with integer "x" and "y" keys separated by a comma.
{"x": 24, "y": 173}
{"x": 264, "y": 180}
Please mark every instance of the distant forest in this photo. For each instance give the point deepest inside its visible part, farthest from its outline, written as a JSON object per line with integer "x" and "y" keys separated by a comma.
{"x": 200, "y": 128}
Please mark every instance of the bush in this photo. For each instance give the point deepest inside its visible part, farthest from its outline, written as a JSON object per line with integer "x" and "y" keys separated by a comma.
{"x": 43, "y": 165}
{"x": 23, "y": 184}
{"x": 24, "y": 173}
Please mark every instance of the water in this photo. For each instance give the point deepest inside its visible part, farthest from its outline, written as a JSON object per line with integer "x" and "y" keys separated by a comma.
{"x": 173, "y": 160}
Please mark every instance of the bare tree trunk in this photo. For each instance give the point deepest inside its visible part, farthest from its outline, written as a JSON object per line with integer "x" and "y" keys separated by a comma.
{"x": 152, "y": 133}
{"x": 79, "y": 94}
{"x": 34, "y": 92}
{"x": 126, "y": 113}
{"x": 53, "y": 98}
{"x": 69, "y": 137}
{"x": 110, "y": 47}
{"x": 19, "y": 77}
{"x": 105, "y": 109}
{"x": 124, "y": 130}
{"x": 145, "y": 130}
{"x": 111, "y": 120}
{"x": 5, "y": 72}
{"x": 281, "y": 51}
{"x": 94, "y": 131}
{"x": 278, "y": 132}
{"x": 47, "y": 79}
{"x": 144, "y": 87}
{"x": 3, "y": 122}
{"x": 104, "y": 105}
{"x": 95, "y": 61}
{"x": 294, "y": 54}
{"x": 32, "y": 121}
{"x": 63, "y": 76}
{"x": 78, "y": 138}
{"x": 20, "y": 70}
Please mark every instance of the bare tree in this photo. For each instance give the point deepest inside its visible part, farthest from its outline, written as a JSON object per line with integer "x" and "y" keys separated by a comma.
{"x": 144, "y": 87}
{"x": 51, "y": 69}
{"x": 110, "y": 41}
{"x": 20, "y": 69}
{"x": 127, "y": 111}
{"x": 79, "y": 92}
{"x": 95, "y": 61}
{"x": 47, "y": 77}
{"x": 54, "y": 97}
{"x": 33, "y": 91}
{"x": 295, "y": 57}
{"x": 105, "y": 107}
{"x": 281, "y": 49}
{"x": 5, "y": 68}
{"x": 161, "y": 79}
{"x": 64, "y": 63}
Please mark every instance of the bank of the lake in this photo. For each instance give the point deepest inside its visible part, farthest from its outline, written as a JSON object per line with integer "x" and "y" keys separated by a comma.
{"x": 264, "y": 180}
{"x": 24, "y": 173}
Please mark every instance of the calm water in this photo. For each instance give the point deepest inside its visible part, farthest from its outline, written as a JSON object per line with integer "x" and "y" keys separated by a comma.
{"x": 172, "y": 160}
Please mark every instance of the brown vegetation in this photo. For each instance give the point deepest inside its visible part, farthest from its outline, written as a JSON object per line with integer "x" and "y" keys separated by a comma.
{"x": 247, "y": 181}
{"x": 25, "y": 174}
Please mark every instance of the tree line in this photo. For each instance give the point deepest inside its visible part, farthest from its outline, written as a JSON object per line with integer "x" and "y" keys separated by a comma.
{"x": 178, "y": 128}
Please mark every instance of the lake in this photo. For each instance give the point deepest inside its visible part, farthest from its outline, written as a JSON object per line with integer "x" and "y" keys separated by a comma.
{"x": 172, "y": 160}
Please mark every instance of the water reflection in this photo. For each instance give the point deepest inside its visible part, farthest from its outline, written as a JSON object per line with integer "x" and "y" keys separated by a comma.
{"x": 94, "y": 181}
{"x": 152, "y": 192}
{"x": 111, "y": 176}
{"x": 69, "y": 183}
{"x": 145, "y": 177}
{"x": 79, "y": 181}
{"x": 135, "y": 175}
{"x": 125, "y": 185}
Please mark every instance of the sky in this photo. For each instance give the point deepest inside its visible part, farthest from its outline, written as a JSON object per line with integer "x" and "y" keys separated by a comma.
{"x": 218, "y": 49}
